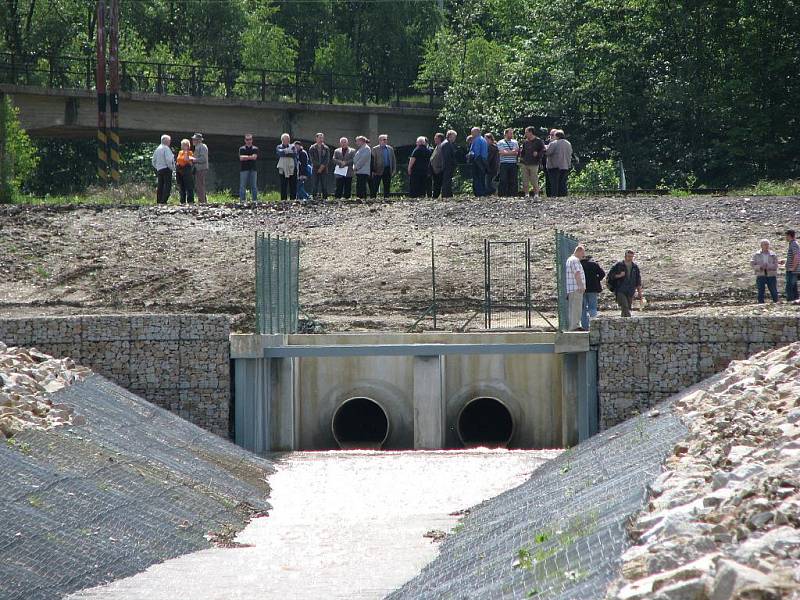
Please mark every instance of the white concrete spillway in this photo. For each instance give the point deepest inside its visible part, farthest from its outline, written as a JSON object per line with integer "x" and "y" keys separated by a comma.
{"x": 425, "y": 391}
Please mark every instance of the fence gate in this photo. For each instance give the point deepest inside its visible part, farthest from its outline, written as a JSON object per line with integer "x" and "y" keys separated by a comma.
{"x": 507, "y": 267}
{"x": 277, "y": 284}
{"x": 565, "y": 246}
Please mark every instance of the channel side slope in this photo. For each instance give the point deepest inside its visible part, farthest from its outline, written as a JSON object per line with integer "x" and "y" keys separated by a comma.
{"x": 561, "y": 534}
{"x": 134, "y": 486}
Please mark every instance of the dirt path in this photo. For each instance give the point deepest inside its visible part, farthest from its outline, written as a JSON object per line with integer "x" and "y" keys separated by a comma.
{"x": 346, "y": 525}
{"x": 367, "y": 266}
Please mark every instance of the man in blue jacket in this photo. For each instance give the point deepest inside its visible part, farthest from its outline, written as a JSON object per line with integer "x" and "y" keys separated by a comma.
{"x": 479, "y": 156}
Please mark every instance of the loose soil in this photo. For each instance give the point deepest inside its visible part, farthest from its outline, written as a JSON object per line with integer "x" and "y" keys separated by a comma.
{"x": 367, "y": 266}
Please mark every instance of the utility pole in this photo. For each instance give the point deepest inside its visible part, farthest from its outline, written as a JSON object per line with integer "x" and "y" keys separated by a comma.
{"x": 102, "y": 142}
{"x": 113, "y": 70}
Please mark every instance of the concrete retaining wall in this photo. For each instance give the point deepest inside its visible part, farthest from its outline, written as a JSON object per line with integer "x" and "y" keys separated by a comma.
{"x": 179, "y": 362}
{"x": 642, "y": 361}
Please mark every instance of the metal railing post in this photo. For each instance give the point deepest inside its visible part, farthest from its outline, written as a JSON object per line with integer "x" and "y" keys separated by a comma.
{"x": 159, "y": 78}
{"x": 263, "y": 85}
{"x": 330, "y": 88}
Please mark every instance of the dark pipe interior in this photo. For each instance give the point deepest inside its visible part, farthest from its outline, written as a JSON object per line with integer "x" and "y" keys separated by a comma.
{"x": 485, "y": 422}
{"x": 360, "y": 423}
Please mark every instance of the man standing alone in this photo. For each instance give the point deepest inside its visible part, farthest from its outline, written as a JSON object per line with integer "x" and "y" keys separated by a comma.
{"x": 508, "y": 149}
{"x": 384, "y": 164}
{"x": 164, "y": 164}
{"x": 576, "y": 286}
{"x": 625, "y": 281}
{"x": 200, "y": 167}
{"x": 248, "y": 155}
{"x": 320, "y": 156}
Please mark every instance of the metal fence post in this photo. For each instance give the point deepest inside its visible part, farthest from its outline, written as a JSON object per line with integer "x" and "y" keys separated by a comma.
{"x": 433, "y": 280}
{"x": 263, "y": 85}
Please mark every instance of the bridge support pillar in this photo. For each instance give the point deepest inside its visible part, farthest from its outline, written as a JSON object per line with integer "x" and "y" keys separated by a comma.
{"x": 578, "y": 397}
{"x": 372, "y": 128}
{"x": 429, "y": 402}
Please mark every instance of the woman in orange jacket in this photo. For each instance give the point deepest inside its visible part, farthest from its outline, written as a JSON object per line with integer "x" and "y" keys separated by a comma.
{"x": 184, "y": 173}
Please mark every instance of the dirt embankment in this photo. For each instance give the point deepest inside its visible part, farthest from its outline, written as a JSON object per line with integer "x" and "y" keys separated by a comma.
{"x": 367, "y": 266}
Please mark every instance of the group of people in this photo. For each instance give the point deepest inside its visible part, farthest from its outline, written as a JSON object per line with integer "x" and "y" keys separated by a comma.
{"x": 304, "y": 173}
{"x": 765, "y": 263}
{"x": 430, "y": 170}
{"x": 190, "y": 168}
{"x": 500, "y": 161}
{"x": 584, "y": 282}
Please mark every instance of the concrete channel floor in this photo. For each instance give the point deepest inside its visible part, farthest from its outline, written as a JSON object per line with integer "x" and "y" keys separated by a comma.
{"x": 345, "y": 524}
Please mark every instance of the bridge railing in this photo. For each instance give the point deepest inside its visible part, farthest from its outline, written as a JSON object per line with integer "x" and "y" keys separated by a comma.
{"x": 263, "y": 85}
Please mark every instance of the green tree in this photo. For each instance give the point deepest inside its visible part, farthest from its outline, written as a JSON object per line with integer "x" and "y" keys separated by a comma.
{"x": 18, "y": 157}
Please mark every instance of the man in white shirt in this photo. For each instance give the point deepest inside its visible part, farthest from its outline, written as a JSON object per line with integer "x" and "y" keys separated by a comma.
{"x": 164, "y": 164}
{"x": 576, "y": 286}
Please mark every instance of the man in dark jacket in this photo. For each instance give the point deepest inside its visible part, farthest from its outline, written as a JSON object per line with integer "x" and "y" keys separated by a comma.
{"x": 448, "y": 152}
{"x": 625, "y": 280}
{"x": 594, "y": 285}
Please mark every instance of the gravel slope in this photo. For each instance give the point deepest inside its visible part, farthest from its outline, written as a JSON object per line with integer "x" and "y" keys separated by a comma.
{"x": 367, "y": 266}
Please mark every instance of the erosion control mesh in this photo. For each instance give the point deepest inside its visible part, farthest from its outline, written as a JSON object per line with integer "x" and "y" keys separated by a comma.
{"x": 136, "y": 485}
{"x": 560, "y": 535}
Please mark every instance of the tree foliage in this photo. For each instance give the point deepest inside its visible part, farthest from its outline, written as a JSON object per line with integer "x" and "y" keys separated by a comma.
{"x": 19, "y": 158}
{"x": 672, "y": 88}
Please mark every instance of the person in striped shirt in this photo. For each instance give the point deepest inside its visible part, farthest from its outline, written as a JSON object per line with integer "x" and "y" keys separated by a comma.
{"x": 508, "y": 149}
{"x": 576, "y": 286}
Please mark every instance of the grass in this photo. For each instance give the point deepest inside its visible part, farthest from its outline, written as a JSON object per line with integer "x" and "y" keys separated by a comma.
{"x": 790, "y": 187}
{"x": 144, "y": 194}
{"x": 132, "y": 194}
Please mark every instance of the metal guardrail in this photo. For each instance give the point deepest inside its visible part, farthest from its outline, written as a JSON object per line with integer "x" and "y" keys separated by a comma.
{"x": 406, "y": 350}
{"x": 264, "y": 85}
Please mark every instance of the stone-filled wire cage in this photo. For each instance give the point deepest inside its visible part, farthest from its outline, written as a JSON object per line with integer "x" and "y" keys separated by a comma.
{"x": 277, "y": 284}
{"x": 565, "y": 246}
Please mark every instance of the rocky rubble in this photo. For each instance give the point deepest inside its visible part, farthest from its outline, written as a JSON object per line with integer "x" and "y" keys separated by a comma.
{"x": 27, "y": 378}
{"x": 723, "y": 520}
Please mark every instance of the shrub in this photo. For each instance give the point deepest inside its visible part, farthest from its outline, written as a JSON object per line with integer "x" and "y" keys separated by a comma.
{"x": 595, "y": 176}
{"x": 20, "y": 158}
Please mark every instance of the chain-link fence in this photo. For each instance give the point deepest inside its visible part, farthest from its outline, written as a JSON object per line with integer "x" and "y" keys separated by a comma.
{"x": 507, "y": 277}
{"x": 136, "y": 485}
{"x": 277, "y": 284}
{"x": 560, "y": 535}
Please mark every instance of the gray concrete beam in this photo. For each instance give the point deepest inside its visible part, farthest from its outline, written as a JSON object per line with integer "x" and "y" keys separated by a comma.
{"x": 48, "y": 111}
{"x": 429, "y": 402}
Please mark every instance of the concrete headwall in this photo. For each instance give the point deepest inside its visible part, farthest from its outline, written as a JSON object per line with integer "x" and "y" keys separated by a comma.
{"x": 179, "y": 362}
{"x": 290, "y": 402}
{"x": 642, "y": 361}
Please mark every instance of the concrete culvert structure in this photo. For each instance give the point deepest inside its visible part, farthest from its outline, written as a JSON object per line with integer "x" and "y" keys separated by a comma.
{"x": 485, "y": 422}
{"x": 360, "y": 423}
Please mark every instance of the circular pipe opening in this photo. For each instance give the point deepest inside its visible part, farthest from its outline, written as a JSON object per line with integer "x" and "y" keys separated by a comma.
{"x": 485, "y": 422}
{"x": 360, "y": 423}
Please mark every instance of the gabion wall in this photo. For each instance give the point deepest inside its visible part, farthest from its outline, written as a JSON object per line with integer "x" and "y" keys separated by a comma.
{"x": 642, "y": 361}
{"x": 179, "y": 362}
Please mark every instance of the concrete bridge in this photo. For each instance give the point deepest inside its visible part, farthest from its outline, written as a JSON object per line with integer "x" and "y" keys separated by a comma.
{"x": 62, "y": 112}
